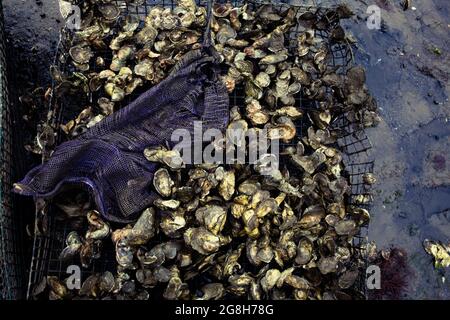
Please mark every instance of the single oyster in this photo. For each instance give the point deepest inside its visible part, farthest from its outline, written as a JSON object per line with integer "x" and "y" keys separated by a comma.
{"x": 163, "y": 182}
{"x": 81, "y": 54}
{"x": 202, "y": 240}
{"x": 212, "y": 217}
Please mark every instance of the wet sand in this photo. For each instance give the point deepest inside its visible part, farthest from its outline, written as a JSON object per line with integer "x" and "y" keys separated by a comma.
{"x": 408, "y": 65}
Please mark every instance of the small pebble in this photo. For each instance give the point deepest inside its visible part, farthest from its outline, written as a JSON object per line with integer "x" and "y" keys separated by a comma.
{"x": 413, "y": 230}
{"x": 402, "y": 215}
{"x": 439, "y": 162}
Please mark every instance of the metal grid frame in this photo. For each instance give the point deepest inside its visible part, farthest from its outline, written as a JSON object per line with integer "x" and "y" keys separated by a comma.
{"x": 50, "y": 246}
{"x": 11, "y": 263}
{"x": 6, "y": 224}
{"x": 352, "y": 141}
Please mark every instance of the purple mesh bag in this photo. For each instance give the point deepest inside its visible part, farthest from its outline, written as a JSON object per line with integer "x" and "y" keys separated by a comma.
{"x": 108, "y": 159}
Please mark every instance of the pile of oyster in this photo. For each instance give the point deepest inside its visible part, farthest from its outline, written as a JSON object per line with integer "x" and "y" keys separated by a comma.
{"x": 224, "y": 231}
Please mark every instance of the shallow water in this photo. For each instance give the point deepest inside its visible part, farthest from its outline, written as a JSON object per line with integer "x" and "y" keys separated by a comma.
{"x": 408, "y": 67}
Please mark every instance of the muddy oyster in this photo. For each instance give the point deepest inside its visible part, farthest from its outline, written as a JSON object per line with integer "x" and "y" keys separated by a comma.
{"x": 162, "y": 182}
{"x": 81, "y": 54}
{"x": 202, "y": 240}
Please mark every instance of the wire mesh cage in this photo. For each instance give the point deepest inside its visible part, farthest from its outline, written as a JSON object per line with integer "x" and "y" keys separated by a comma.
{"x": 352, "y": 141}
{"x": 11, "y": 264}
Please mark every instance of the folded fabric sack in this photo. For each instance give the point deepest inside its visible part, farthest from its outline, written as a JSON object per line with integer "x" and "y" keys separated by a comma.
{"x": 108, "y": 160}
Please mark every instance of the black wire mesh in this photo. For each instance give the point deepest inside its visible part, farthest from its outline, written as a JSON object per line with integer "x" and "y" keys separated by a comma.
{"x": 46, "y": 250}
{"x": 11, "y": 266}
{"x": 352, "y": 141}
